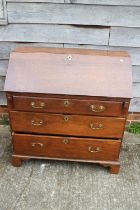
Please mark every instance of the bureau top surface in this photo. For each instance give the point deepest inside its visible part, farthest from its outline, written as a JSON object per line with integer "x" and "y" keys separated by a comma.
{"x": 69, "y": 71}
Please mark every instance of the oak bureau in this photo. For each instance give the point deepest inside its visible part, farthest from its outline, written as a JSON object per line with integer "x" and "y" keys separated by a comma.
{"x": 68, "y": 104}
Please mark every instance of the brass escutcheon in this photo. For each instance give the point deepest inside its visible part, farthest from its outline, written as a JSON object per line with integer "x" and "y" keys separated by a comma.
{"x": 65, "y": 141}
{"x": 66, "y": 103}
{"x": 66, "y": 118}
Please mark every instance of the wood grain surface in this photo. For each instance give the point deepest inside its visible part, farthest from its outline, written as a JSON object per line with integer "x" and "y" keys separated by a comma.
{"x": 83, "y": 74}
{"x": 76, "y": 14}
{"x": 124, "y": 37}
{"x": 101, "y": 2}
{"x": 54, "y": 34}
{"x": 69, "y": 106}
{"x": 61, "y": 147}
{"x": 72, "y": 125}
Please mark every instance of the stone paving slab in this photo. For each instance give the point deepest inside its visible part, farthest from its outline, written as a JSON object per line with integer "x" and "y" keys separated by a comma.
{"x": 61, "y": 185}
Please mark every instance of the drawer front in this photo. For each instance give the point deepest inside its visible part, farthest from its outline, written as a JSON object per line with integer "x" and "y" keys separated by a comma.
{"x": 71, "y": 106}
{"x": 66, "y": 147}
{"x": 76, "y": 125}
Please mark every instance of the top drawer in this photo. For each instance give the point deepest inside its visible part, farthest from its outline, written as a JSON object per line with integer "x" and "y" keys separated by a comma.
{"x": 71, "y": 106}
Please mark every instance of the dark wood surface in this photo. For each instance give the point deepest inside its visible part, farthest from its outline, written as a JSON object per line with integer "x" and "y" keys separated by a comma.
{"x": 75, "y": 125}
{"x": 68, "y": 109}
{"x": 62, "y": 147}
{"x": 66, "y": 105}
{"x": 123, "y": 101}
{"x": 114, "y": 166}
{"x": 91, "y": 74}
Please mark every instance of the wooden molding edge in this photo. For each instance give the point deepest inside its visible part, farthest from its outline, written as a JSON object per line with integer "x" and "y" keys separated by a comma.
{"x": 132, "y": 116}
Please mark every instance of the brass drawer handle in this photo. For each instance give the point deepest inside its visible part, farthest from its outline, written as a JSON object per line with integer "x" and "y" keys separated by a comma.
{"x": 96, "y": 126}
{"x": 37, "y": 144}
{"x": 66, "y": 103}
{"x": 65, "y": 141}
{"x": 33, "y": 122}
{"x": 97, "y": 149}
{"x": 97, "y": 108}
{"x": 41, "y": 105}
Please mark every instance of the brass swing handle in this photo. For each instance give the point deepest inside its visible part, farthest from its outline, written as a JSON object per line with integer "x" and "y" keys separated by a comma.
{"x": 40, "y": 122}
{"x": 97, "y": 149}
{"x": 96, "y": 126}
{"x": 40, "y": 106}
{"x": 97, "y": 108}
{"x": 37, "y": 144}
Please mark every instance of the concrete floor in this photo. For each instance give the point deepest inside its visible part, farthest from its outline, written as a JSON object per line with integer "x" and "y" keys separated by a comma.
{"x": 58, "y": 185}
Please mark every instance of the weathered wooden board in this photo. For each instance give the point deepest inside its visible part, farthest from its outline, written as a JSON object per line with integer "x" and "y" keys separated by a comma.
{"x": 3, "y": 67}
{"x": 129, "y": 37}
{"x": 1, "y": 9}
{"x": 73, "y": 14}
{"x": 136, "y": 90}
{"x": 3, "y": 100}
{"x": 3, "y": 13}
{"x": 7, "y": 47}
{"x": 136, "y": 74}
{"x": 135, "y": 105}
{"x": 134, "y": 52}
{"x": 54, "y": 34}
{"x": 86, "y": 46}
{"x": 103, "y": 2}
{"x": 2, "y": 81}
{"x": 48, "y": 1}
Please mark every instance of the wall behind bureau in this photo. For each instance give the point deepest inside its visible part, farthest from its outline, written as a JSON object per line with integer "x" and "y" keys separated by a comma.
{"x": 89, "y": 24}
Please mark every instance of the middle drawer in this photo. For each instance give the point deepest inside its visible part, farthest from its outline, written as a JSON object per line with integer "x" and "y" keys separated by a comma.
{"x": 73, "y": 125}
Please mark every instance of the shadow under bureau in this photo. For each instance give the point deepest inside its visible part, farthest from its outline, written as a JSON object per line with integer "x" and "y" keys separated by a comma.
{"x": 68, "y": 104}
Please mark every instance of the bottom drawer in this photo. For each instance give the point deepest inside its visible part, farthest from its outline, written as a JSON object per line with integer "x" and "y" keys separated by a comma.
{"x": 66, "y": 147}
